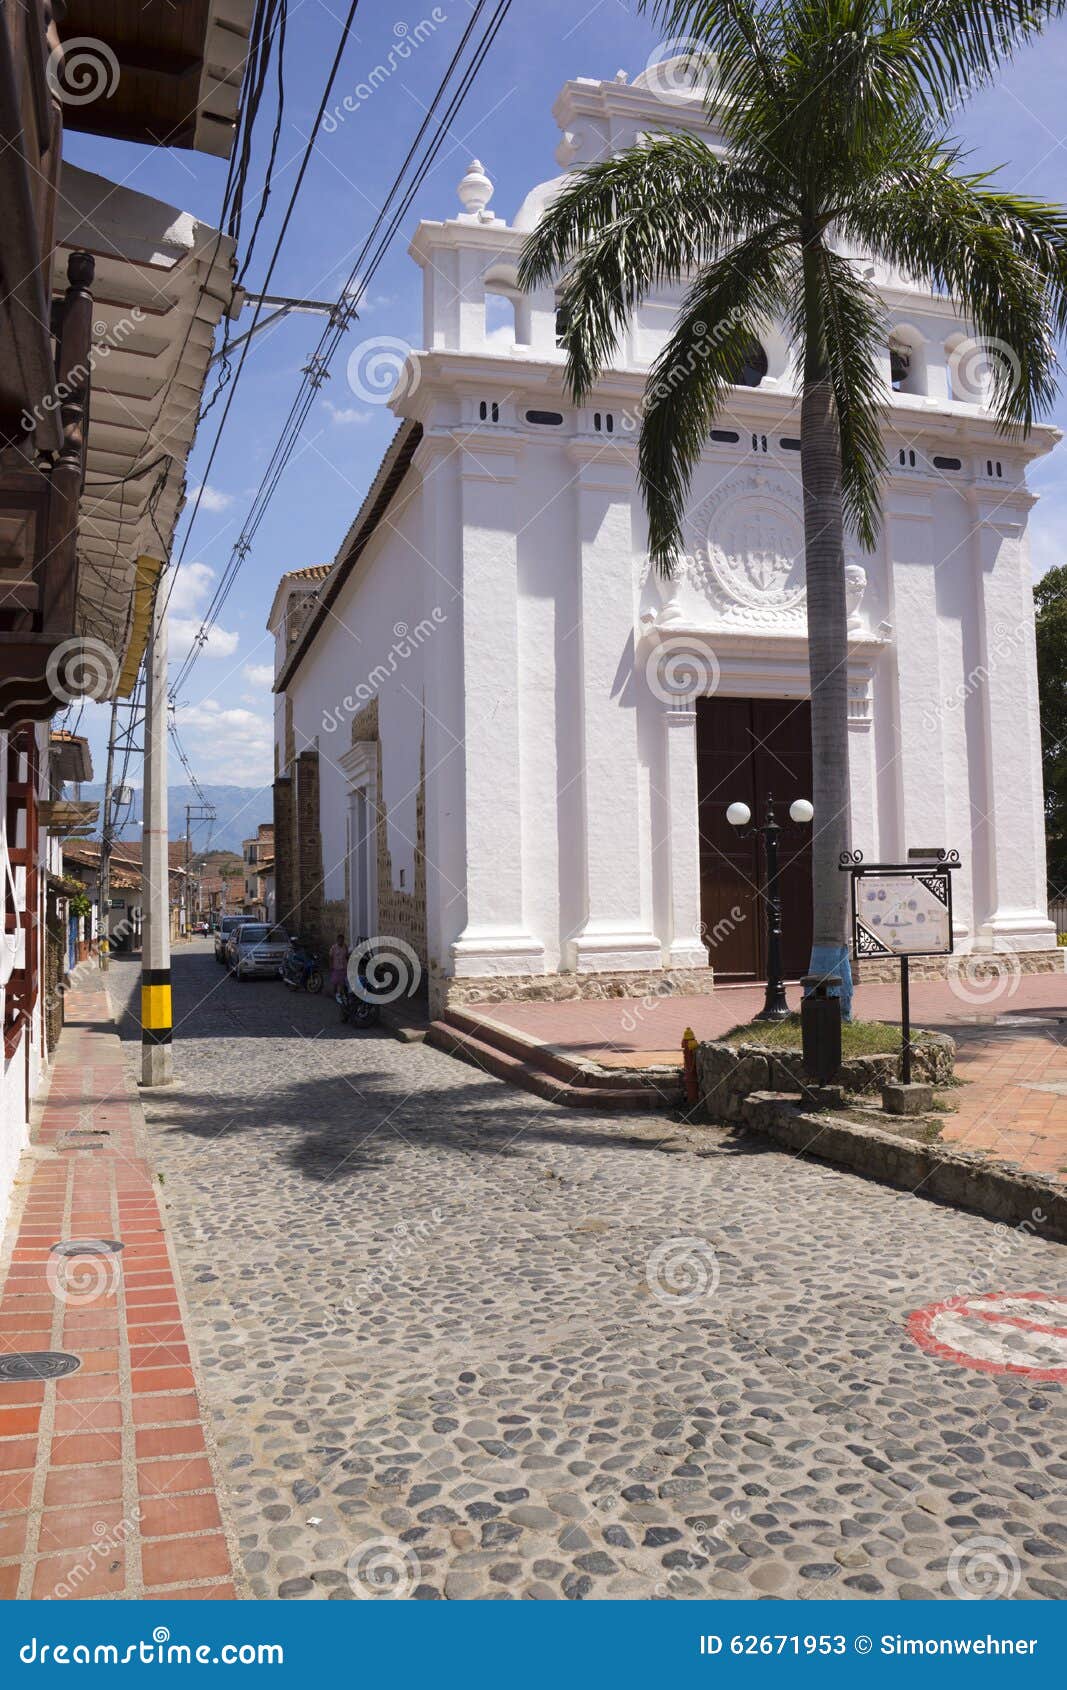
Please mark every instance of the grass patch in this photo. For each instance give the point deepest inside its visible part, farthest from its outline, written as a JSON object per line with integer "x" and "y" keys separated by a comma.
{"x": 858, "y": 1038}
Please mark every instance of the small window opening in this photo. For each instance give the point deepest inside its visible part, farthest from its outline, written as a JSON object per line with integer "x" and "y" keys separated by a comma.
{"x": 753, "y": 366}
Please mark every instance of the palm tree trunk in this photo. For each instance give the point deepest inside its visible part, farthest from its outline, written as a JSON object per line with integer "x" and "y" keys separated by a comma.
{"x": 824, "y": 547}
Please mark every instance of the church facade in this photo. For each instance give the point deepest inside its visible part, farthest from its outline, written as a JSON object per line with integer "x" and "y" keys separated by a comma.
{"x": 504, "y": 741}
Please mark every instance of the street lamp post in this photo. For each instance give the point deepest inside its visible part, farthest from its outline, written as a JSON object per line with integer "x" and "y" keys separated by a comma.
{"x": 775, "y": 1007}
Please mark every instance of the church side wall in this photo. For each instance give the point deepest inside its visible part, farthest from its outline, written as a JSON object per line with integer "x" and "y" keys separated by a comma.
{"x": 363, "y": 681}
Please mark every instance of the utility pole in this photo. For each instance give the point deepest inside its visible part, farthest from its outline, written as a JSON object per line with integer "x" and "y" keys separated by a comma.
{"x": 193, "y": 813}
{"x": 104, "y": 887}
{"x": 157, "y": 1057}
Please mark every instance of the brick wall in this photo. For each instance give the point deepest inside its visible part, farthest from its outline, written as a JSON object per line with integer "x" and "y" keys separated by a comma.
{"x": 284, "y": 867}
{"x": 307, "y": 852}
{"x": 401, "y": 909}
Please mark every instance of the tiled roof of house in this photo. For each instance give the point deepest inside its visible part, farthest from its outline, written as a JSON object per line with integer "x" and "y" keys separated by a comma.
{"x": 87, "y": 852}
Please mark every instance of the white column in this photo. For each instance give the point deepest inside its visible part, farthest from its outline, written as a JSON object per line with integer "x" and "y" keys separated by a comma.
{"x": 437, "y": 462}
{"x": 687, "y": 948}
{"x": 920, "y": 689}
{"x": 617, "y": 931}
{"x": 1017, "y": 912}
{"x": 862, "y": 773}
{"x": 495, "y": 939}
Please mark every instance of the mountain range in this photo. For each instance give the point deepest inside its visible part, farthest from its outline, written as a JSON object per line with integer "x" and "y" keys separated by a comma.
{"x": 238, "y": 812}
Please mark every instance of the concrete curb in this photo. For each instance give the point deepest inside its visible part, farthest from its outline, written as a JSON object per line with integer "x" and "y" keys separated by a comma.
{"x": 933, "y": 1171}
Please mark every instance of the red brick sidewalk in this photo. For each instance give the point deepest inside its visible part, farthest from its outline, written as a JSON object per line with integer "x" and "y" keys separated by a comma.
{"x": 1012, "y": 1104}
{"x": 106, "y": 1488}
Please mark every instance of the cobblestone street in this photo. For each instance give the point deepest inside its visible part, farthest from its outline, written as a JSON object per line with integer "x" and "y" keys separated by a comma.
{"x": 456, "y": 1342}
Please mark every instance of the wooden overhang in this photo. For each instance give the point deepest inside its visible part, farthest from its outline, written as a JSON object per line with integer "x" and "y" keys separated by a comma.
{"x": 169, "y": 71}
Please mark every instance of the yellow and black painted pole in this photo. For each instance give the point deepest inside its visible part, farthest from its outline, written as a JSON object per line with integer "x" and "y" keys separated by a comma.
{"x": 156, "y": 1017}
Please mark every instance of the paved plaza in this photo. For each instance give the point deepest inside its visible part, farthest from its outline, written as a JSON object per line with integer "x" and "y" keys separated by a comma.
{"x": 1010, "y": 1030}
{"x": 455, "y": 1342}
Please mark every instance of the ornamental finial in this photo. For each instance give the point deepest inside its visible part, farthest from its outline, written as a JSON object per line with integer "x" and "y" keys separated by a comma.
{"x": 475, "y": 191}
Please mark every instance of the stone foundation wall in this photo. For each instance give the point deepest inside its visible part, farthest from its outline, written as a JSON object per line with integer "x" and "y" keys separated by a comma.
{"x": 971, "y": 966}
{"x": 727, "y": 1075}
{"x": 449, "y": 992}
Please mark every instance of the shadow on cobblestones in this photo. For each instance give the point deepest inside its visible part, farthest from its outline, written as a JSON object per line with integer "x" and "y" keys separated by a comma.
{"x": 493, "y": 1349}
{"x": 341, "y": 1128}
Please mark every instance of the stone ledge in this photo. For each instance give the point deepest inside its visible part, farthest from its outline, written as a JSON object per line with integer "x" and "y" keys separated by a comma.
{"x": 975, "y": 965}
{"x": 728, "y": 1074}
{"x": 450, "y": 992}
{"x": 933, "y": 1171}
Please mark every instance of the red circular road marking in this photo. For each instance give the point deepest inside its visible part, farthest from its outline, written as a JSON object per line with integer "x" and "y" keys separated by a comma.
{"x": 1022, "y": 1332}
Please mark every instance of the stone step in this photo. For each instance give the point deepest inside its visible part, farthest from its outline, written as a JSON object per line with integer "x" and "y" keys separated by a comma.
{"x": 493, "y": 1059}
{"x": 551, "y": 1061}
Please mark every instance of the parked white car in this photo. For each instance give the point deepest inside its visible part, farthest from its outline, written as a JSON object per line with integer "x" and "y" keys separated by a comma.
{"x": 257, "y": 951}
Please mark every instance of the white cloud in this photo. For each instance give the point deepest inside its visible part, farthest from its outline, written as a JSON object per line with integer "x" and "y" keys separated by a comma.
{"x": 260, "y": 674}
{"x": 188, "y": 601}
{"x": 220, "y": 642}
{"x": 344, "y": 415}
{"x": 227, "y": 746}
{"x": 211, "y": 498}
{"x": 190, "y": 587}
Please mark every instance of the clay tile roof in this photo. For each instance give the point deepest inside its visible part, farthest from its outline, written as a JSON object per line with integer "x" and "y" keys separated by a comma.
{"x": 313, "y": 572}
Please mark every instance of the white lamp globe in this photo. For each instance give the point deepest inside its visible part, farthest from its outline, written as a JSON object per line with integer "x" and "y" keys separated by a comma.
{"x": 800, "y": 810}
{"x": 738, "y": 815}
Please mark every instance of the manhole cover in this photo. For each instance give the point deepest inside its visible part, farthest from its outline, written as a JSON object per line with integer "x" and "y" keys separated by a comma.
{"x": 87, "y": 1247}
{"x": 36, "y": 1364}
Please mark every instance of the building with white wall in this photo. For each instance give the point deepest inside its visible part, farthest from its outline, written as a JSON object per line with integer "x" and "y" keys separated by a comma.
{"x": 501, "y": 738}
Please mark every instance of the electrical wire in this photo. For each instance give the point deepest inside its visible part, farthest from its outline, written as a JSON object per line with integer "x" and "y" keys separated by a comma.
{"x": 354, "y": 290}
{"x": 287, "y": 218}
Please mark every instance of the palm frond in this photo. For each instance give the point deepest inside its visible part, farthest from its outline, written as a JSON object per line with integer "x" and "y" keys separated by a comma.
{"x": 738, "y": 41}
{"x": 1002, "y": 257}
{"x": 727, "y": 308}
{"x": 956, "y": 46}
{"x": 646, "y": 218}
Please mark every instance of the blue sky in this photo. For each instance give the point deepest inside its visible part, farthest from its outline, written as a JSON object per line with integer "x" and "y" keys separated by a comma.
{"x": 225, "y": 708}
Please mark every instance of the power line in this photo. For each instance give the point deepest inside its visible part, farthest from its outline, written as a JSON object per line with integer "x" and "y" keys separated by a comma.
{"x": 360, "y": 277}
{"x": 304, "y": 162}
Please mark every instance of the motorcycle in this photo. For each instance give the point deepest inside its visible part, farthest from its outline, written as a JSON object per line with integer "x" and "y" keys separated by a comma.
{"x": 301, "y": 969}
{"x": 356, "y": 1007}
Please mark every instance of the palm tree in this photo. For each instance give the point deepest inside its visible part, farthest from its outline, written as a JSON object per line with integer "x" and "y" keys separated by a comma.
{"x": 835, "y": 115}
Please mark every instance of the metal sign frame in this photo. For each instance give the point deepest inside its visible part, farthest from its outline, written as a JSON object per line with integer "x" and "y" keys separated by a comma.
{"x": 939, "y": 868}
{"x": 936, "y": 877}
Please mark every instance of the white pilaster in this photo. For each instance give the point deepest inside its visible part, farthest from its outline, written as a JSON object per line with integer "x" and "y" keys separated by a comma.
{"x": 617, "y": 931}
{"x": 687, "y": 948}
{"x": 1016, "y": 914}
{"x": 921, "y": 785}
{"x": 495, "y": 939}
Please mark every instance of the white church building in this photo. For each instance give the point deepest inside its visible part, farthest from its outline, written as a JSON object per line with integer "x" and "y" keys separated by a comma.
{"x": 502, "y": 739}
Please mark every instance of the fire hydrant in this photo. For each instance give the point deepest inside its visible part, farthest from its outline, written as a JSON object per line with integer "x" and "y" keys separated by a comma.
{"x": 689, "y": 1065}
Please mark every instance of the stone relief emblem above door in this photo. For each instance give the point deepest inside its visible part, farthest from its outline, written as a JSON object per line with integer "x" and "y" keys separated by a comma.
{"x": 747, "y": 567}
